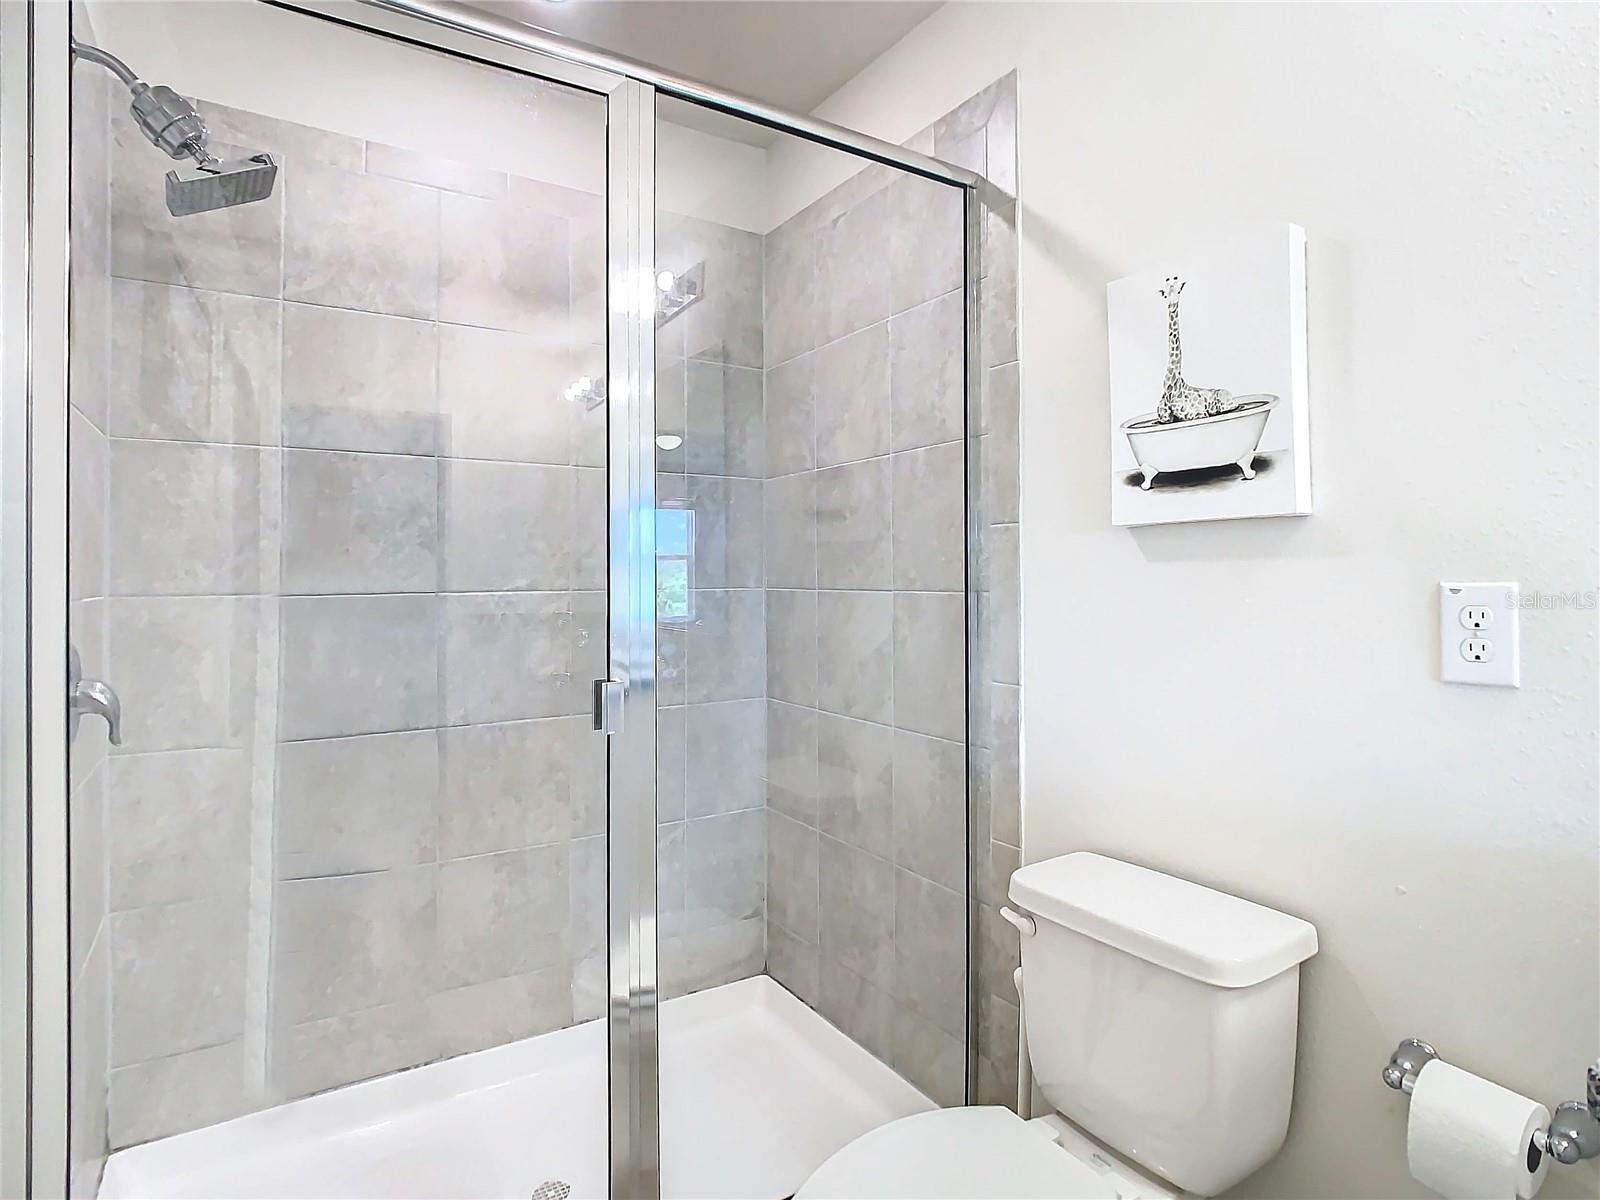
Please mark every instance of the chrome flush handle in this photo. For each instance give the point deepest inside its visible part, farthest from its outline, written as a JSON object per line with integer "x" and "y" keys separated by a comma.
{"x": 90, "y": 696}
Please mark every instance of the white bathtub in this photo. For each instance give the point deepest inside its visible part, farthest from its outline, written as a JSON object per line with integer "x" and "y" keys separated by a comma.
{"x": 1230, "y": 437}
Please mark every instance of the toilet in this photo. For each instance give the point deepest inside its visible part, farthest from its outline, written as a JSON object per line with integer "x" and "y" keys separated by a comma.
{"x": 1160, "y": 1018}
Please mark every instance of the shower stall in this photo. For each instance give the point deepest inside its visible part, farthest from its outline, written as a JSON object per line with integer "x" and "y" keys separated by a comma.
{"x": 508, "y": 612}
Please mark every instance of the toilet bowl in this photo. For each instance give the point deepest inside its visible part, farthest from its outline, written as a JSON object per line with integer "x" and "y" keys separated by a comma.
{"x": 964, "y": 1153}
{"x": 1160, "y": 1019}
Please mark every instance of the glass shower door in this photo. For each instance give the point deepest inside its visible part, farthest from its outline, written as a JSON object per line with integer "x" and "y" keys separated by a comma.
{"x": 812, "y": 617}
{"x": 338, "y": 490}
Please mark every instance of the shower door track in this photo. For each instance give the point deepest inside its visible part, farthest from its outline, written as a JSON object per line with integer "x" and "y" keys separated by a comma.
{"x": 35, "y": 225}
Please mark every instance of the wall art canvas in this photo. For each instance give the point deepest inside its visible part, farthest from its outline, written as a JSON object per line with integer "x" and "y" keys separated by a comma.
{"x": 1208, "y": 384}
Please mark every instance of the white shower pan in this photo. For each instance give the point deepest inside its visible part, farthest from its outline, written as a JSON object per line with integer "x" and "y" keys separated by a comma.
{"x": 756, "y": 1092}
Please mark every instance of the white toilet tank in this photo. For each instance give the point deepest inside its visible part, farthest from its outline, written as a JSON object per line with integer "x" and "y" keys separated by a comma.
{"x": 1161, "y": 1015}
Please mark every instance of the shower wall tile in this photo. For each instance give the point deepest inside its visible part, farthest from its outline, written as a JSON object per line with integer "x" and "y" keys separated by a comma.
{"x": 930, "y": 810}
{"x": 288, "y": 142}
{"x": 790, "y": 295}
{"x": 793, "y": 962}
{"x": 238, "y": 249}
{"x": 725, "y": 868}
{"x": 929, "y": 666}
{"x": 727, "y": 756}
{"x": 672, "y": 879}
{"x": 316, "y": 1055}
{"x": 356, "y": 804}
{"x": 792, "y": 761}
{"x": 513, "y": 656}
{"x": 412, "y": 166}
{"x": 359, "y": 523}
{"x": 359, "y": 381}
{"x": 503, "y": 266}
{"x": 89, "y": 453}
{"x": 502, "y": 914}
{"x": 89, "y": 1002}
{"x": 507, "y": 526}
{"x": 930, "y": 534}
{"x": 1005, "y": 794}
{"x": 857, "y": 911}
{"x": 586, "y": 886}
{"x": 170, "y": 1095}
{"x": 852, "y": 286}
{"x": 851, "y": 390}
{"x": 792, "y": 646}
{"x": 791, "y": 417}
{"x": 358, "y": 664}
{"x": 483, "y": 1015}
{"x": 1004, "y": 606}
{"x": 672, "y": 763}
{"x": 190, "y": 517}
{"x": 168, "y": 998}
{"x": 186, "y": 670}
{"x": 926, "y": 378}
{"x": 193, "y": 366}
{"x": 930, "y": 949}
{"x": 792, "y": 877}
{"x": 590, "y": 529}
{"x": 791, "y": 531}
{"x": 892, "y": 785}
{"x": 728, "y": 528}
{"x": 854, "y": 783}
{"x": 506, "y": 787}
{"x": 87, "y": 882}
{"x": 853, "y": 511}
{"x": 925, "y": 253}
{"x": 865, "y": 1011}
{"x": 413, "y": 771}
{"x": 359, "y": 241}
{"x": 179, "y": 826}
{"x": 727, "y": 650}
{"x": 725, "y": 432}
{"x": 707, "y": 958}
{"x": 930, "y": 1058}
{"x": 855, "y": 654}
{"x": 725, "y": 325}
{"x": 1001, "y": 493}
{"x": 501, "y": 396}
{"x": 346, "y": 943}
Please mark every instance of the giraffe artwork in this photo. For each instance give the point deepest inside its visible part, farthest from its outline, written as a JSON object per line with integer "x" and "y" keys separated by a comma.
{"x": 1186, "y": 453}
{"x": 1181, "y": 401}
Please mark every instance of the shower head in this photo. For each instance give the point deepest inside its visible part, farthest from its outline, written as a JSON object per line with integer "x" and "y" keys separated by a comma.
{"x": 213, "y": 184}
{"x": 174, "y": 126}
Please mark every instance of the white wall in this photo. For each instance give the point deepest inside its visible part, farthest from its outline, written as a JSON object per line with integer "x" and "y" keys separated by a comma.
{"x": 1255, "y": 704}
{"x": 283, "y": 64}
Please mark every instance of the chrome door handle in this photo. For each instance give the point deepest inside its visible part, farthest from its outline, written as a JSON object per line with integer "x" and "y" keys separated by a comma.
{"x": 90, "y": 696}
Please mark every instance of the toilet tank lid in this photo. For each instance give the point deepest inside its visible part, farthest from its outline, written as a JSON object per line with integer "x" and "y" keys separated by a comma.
{"x": 1207, "y": 935}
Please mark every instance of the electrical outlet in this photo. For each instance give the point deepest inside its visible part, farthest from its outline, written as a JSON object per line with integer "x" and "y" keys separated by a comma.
{"x": 1490, "y": 653}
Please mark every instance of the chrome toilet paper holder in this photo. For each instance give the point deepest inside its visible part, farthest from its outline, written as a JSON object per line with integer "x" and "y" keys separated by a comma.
{"x": 1574, "y": 1131}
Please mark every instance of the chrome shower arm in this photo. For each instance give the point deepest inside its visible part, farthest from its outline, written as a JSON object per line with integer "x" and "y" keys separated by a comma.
{"x": 169, "y": 121}
{"x": 107, "y": 60}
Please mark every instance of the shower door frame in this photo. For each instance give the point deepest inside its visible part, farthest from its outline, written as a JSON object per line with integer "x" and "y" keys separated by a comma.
{"x": 35, "y": 131}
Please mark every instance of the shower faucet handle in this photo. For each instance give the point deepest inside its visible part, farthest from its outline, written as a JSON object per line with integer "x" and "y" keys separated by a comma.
{"x": 90, "y": 696}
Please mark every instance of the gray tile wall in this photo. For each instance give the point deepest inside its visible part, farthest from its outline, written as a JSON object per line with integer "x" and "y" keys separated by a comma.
{"x": 88, "y": 938}
{"x": 356, "y": 591}
{"x": 713, "y": 661}
{"x": 866, "y": 609}
{"x": 982, "y": 134}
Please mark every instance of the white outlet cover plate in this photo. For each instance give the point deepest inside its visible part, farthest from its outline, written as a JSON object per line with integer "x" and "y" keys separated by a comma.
{"x": 1503, "y": 667}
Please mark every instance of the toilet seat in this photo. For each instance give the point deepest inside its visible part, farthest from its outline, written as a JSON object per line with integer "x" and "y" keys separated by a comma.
{"x": 956, "y": 1154}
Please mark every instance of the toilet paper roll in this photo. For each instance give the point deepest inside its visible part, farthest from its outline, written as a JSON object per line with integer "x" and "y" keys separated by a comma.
{"x": 1469, "y": 1139}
